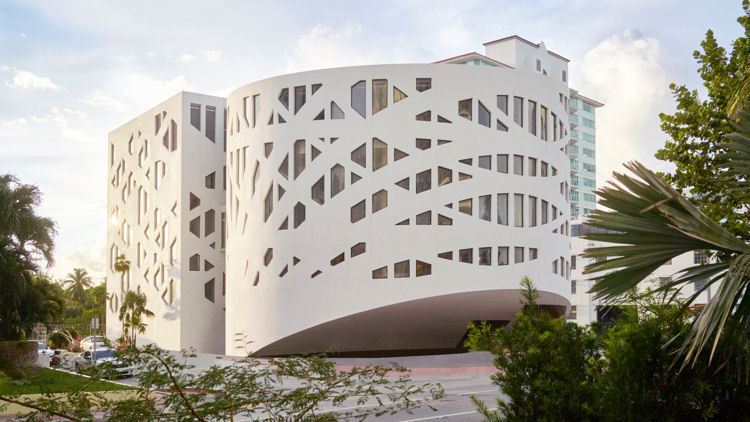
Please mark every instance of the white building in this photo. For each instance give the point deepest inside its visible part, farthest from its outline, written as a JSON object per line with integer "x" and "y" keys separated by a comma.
{"x": 165, "y": 206}
{"x": 370, "y": 208}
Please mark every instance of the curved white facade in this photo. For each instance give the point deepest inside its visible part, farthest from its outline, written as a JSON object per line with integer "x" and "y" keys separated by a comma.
{"x": 305, "y": 263}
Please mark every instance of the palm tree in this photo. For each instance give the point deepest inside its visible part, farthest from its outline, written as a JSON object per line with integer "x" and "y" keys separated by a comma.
{"x": 131, "y": 315}
{"x": 18, "y": 220}
{"x": 651, "y": 223}
{"x": 77, "y": 282}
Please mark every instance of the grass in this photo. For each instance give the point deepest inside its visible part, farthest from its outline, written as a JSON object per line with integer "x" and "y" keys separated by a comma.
{"x": 53, "y": 381}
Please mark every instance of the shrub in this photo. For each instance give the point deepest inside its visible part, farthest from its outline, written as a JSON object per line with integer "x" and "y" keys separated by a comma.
{"x": 16, "y": 354}
{"x": 548, "y": 367}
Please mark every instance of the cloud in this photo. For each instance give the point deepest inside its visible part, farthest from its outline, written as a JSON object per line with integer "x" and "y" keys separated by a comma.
{"x": 187, "y": 58}
{"x": 93, "y": 259}
{"x": 212, "y": 55}
{"x": 103, "y": 101}
{"x": 627, "y": 73}
{"x": 324, "y": 47}
{"x": 24, "y": 80}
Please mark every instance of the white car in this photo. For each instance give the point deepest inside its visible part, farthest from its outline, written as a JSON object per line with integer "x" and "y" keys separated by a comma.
{"x": 44, "y": 350}
{"x": 89, "y": 359}
{"x": 88, "y": 343}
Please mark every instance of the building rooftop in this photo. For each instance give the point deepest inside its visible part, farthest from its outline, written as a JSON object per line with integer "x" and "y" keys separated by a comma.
{"x": 511, "y": 37}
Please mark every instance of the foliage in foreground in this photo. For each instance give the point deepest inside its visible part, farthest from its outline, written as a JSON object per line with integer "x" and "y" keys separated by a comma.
{"x": 547, "y": 366}
{"x": 46, "y": 380}
{"x": 551, "y": 370}
{"x": 289, "y": 389}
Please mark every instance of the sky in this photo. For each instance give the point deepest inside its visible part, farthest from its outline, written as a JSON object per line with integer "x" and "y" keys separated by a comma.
{"x": 71, "y": 71}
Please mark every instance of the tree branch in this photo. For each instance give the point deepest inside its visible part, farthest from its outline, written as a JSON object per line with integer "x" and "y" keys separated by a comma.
{"x": 40, "y": 409}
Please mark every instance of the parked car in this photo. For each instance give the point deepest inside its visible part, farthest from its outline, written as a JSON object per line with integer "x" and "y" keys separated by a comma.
{"x": 89, "y": 342}
{"x": 90, "y": 359}
{"x": 44, "y": 350}
{"x": 55, "y": 361}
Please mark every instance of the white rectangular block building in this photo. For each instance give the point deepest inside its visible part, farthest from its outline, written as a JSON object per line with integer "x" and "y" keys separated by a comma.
{"x": 165, "y": 208}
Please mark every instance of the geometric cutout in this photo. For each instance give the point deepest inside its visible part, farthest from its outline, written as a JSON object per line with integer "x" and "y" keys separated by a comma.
{"x": 424, "y": 116}
{"x": 333, "y": 140}
{"x": 257, "y": 278}
{"x": 315, "y": 88}
{"x": 358, "y": 249}
{"x": 195, "y": 226}
{"x": 318, "y": 194}
{"x": 285, "y": 224}
{"x": 212, "y": 245}
{"x": 379, "y": 200}
{"x": 336, "y": 112}
{"x": 403, "y": 183}
{"x": 268, "y": 256}
{"x": 444, "y": 221}
{"x": 314, "y": 152}
{"x": 501, "y": 126}
{"x": 464, "y": 108}
{"x": 208, "y": 290}
{"x": 423, "y": 268}
{"x": 284, "y": 271}
{"x": 403, "y": 223}
{"x": 358, "y": 211}
{"x": 423, "y": 144}
{"x": 449, "y": 205}
{"x": 270, "y": 118}
{"x": 465, "y": 206}
{"x": 355, "y": 177}
{"x": 484, "y": 115}
{"x": 398, "y": 95}
{"x": 207, "y": 266}
{"x": 398, "y": 154}
{"x": 401, "y": 269}
{"x": 338, "y": 179}
{"x": 194, "y": 201}
{"x": 379, "y": 154}
{"x": 320, "y": 115}
{"x": 195, "y": 263}
{"x": 299, "y": 214}
{"x": 284, "y": 167}
{"x": 295, "y": 260}
{"x": 424, "y": 219}
{"x": 463, "y": 176}
{"x": 210, "y": 181}
{"x": 446, "y": 255}
{"x": 338, "y": 259}
{"x": 315, "y": 274}
{"x": 281, "y": 119}
{"x": 267, "y": 148}
{"x": 445, "y": 176}
{"x": 282, "y": 191}
{"x": 465, "y": 161}
{"x": 359, "y": 155}
{"x": 379, "y": 273}
{"x": 284, "y": 97}
{"x": 358, "y": 98}
{"x": 423, "y": 84}
{"x": 442, "y": 119}
{"x": 443, "y": 142}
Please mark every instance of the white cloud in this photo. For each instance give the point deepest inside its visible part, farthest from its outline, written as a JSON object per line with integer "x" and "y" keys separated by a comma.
{"x": 24, "y": 80}
{"x": 626, "y": 72}
{"x": 323, "y": 47}
{"x": 92, "y": 259}
{"x": 100, "y": 100}
{"x": 212, "y": 55}
{"x": 187, "y": 58}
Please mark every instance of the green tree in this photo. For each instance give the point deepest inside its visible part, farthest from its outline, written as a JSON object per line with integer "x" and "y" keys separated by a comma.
{"x": 131, "y": 314}
{"x": 77, "y": 282}
{"x": 698, "y": 129}
{"x": 547, "y": 366}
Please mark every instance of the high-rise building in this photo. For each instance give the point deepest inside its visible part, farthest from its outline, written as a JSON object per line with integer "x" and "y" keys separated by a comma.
{"x": 582, "y": 154}
{"x": 165, "y": 203}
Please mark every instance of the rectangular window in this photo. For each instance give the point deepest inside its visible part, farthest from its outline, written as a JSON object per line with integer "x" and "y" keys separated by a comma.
{"x": 590, "y": 197}
{"x": 256, "y": 108}
{"x": 588, "y": 122}
{"x": 502, "y": 163}
{"x": 544, "y": 169}
{"x": 300, "y": 96}
{"x": 424, "y": 181}
{"x": 299, "y": 157}
{"x": 573, "y": 312}
{"x": 532, "y": 117}
{"x": 518, "y": 110}
{"x": 545, "y": 211}
{"x": 533, "y": 254}
{"x": 502, "y": 103}
{"x": 589, "y": 183}
{"x": 502, "y": 255}
{"x": 379, "y": 97}
{"x": 554, "y": 126}
{"x": 485, "y": 162}
{"x": 573, "y": 259}
{"x": 485, "y": 207}
{"x": 699, "y": 257}
{"x": 518, "y": 165}
{"x": 211, "y": 123}
{"x": 589, "y": 153}
{"x": 502, "y": 209}
{"x": 518, "y": 254}
{"x": 485, "y": 256}
{"x": 465, "y": 255}
{"x": 543, "y": 122}
{"x": 401, "y": 269}
{"x": 532, "y": 166}
{"x": 588, "y": 107}
{"x": 532, "y": 211}
{"x": 195, "y": 115}
{"x": 518, "y": 209}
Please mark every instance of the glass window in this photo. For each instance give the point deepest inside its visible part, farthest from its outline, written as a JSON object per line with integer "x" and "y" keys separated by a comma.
{"x": 545, "y": 211}
{"x": 284, "y": 167}
{"x": 358, "y": 98}
{"x": 256, "y": 108}
{"x": 502, "y": 103}
{"x": 379, "y": 200}
{"x": 424, "y": 181}
{"x": 532, "y": 117}
{"x": 444, "y": 221}
{"x": 502, "y": 255}
{"x": 358, "y": 249}
{"x": 423, "y": 84}
{"x": 464, "y": 108}
{"x": 209, "y": 222}
{"x": 398, "y": 95}
{"x": 338, "y": 259}
{"x": 532, "y": 166}
{"x": 500, "y": 126}
{"x": 338, "y": 175}
{"x": 403, "y": 183}
{"x": 299, "y": 214}
{"x": 299, "y": 157}
{"x": 268, "y": 203}
{"x": 544, "y": 169}
{"x": 318, "y": 191}
{"x": 336, "y": 112}
{"x": 485, "y": 256}
{"x": 588, "y": 122}
{"x": 424, "y": 117}
{"x": 465, "y": 206}
{"x": 518, "y": 209}
{"x": 195, "y": 115}
{"x": 485, "y": 207}
{"x": 445, "y": 176}
{"x": 379, "y": 154}
{"x": 502, "y": 163}
{"x": 518, "y": 110}
{"x": 211, "y": 181}
{"x": 381, "y": 272}
{"x": 401, "y": 269}
{"x": 554, "y": 126}
{"x": 379, "y": 95}
{"x": 533, "y": 254}
{"x": 424, "y": 219}
{"x": 446, "y": 255}
{"x": 564, "y": 76}
{"x": 484, "y": 117}
{"x": 532, "y": 211}
{"x": 359, "y": 155}
{"x": 485, "y": 162}
{"x": 195, "y": 226}
{"x": 299, "y": 98}
{"x": 256, "y": 175}
{"x": 518, "y": 165}
{"x": 211, "y": 123}
{"x": 358, "y": 211}
{"x": 423, "y": 144}
{"x": 518, "y": 254}
{"x": 543, "y": 122}
{"x": 466, "y": 255}
{"x": 423, "y": 268}
{"x": 502, "y": 209}
{"x": 284, "y": 97}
